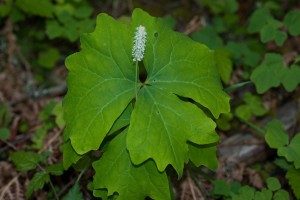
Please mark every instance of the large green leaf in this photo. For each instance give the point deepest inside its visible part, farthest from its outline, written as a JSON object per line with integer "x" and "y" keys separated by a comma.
{"x": 70, "y": 155}
{"x": 161, "y": 124}
{"x": 292, "y": 151}
{"x": 116, "y": 172}
{"x": 275, "y": 136}
{"x": 264, "y": 194}
{"x": 100, "y": 83}
{"x": 180, "y": 65}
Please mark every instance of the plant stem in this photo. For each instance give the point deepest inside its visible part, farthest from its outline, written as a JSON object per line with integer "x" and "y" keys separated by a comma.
{"x": 78, "y": 178}
{"x": 254, "y": 127}
{"x": 50, "y": 182}
{"x": 53, "y": 189}
{"x": 136, "y": 78}
{"x": 238, "y": 85}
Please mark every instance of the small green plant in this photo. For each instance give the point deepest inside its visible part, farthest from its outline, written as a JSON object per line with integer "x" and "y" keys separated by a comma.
{"x": 264, "y": 78}
{"x": 278, "y": 139}
{"x": 26, "y": 160}
{"x": 5, "y": 120}
{"x": 182, "y": 86}
{"x": 236, "y": 191}
{"x": 252, "y": 107}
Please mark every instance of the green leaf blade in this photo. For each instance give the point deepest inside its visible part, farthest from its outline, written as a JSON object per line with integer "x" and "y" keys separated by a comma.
{"x": 182, "y": 66}
{"x": 115, "y": 170}
{"x": 25, "y": 160}
{"x": 293, "y": 176}
{"x": 74, "y": 193}
{"x": 291, "y": 78}
{"x": 292, "y": 151}
{"x": 4, "y": 133}
{"x": 100, "y": 85}
{"x": 162, "y": 139}
{"x": 269, "y": 73}
{"x": 290, "y": 20}
{"x": 43, "y": 8}
{"x": 276, "y": 136}
{"x": 70, "y": 156}
{"x": 224, "y": 64}
{"x": 55, "y": 169}
{"x": 37, "y": 182}
{"x": 273, "y": 184}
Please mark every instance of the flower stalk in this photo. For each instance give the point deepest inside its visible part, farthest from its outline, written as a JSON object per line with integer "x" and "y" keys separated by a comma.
{"x": 138, "y": 50}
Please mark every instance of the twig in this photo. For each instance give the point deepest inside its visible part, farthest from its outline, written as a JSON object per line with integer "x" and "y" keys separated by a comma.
{"x": 50, "y": 141}
{"x": 191, "y": 186}
{"x": 53, "y": 91}
{"x": 8, "y": 185}
{"x": 24, "y": 138}
{"x": 10, "y": 145}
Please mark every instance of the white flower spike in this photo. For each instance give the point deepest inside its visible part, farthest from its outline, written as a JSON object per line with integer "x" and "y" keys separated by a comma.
{"x": 139, "y": 43}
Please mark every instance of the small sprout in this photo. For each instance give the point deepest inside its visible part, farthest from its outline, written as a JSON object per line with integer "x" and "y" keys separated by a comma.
{"x": 139, "y": 43}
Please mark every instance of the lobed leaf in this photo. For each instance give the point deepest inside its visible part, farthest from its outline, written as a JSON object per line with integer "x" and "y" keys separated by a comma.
{"x": 55, "y": 169}
{"x": 25, "y": 161}
{"x": 293, "y": 176}
{"x": 292, "y": 151}
{"x": 269, "y": 73}
{"x": 259, "y": 19}
{"x": 154, "y": 130}
{"x": 273, "y": 184}
{"x": 37, "y": 182}
{"x": 100, "y": 84}
{"x": 264, "y": 194}
{"x": 245, "y": 193}
{"x": 117, "y": 173}
{"x": 281, "y": 195}
{"x": 291, "y": 78}
{"x": 290, "y": 20}
{"x": 180, "y": 65}
{"x": 276, "y": 136}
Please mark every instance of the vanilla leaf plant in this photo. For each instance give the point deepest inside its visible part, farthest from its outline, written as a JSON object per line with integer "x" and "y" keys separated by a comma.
{"x": 142, "y": 127}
